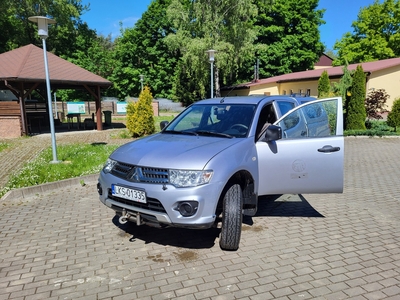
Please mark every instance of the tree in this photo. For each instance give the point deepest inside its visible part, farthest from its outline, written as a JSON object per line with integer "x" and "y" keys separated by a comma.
{"x": 375, "y": 36}
{"x": 393, "y": 118}
{"x": 69, "y": 38}
{"x": 95, "y": 54}
{"x": 225, "y": 26}
{"x": 20, "y": 31}
{"x": 342, "y": 88}
{"x": 141, "y": 50}
{"x": 288, "y": 38}
{"x": 375, "y": 104}
{"x": 140, "y": 120}
{"x": 356, "y": 114}
{"x": 324, "y": 85}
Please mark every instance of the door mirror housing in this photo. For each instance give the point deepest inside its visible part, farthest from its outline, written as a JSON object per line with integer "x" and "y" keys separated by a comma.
{"x": 163, "y": 124}
{"x": 273, "y": 133}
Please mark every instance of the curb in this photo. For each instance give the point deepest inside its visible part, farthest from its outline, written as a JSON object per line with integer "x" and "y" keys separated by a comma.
{"x": 30, "y": 191}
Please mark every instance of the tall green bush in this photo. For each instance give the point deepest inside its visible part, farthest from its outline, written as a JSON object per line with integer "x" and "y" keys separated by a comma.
{"x": 393, "y": 118}
{"x": 356, "y": 114}
{"x": 324, "y": 85}
{"x": 139, "y": 115}
{"x": 342, "y": 88}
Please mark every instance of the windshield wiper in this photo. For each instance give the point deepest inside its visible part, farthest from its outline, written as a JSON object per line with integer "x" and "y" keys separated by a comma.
{"x": 180, "y": 132}
{"x": 213, "y": 133}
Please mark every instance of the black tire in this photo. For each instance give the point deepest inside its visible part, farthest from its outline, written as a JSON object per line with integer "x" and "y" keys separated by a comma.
{"x": 232, "y": 216}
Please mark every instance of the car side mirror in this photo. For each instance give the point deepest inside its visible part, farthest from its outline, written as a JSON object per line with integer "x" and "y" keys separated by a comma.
{"x": 273, "y": 133}
{"x": 163, "y": 124}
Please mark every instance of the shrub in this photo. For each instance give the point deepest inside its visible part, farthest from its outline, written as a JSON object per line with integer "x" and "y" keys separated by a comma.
{"x": 342, "y": 88}
{"x": 324, "y": 85}
{"x": 393, "y": 118}
{"x": 139, "y": 115}
{"x": 369, "y": 132}
{"x": 356, "y": 114}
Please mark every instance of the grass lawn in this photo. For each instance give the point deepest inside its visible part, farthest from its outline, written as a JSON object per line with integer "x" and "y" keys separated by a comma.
{"x": 76, "y": 160}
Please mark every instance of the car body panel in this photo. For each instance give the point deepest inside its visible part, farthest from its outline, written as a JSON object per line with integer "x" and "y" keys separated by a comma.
{"x": 287, "y": 166}
{"x": 161, "y": 150}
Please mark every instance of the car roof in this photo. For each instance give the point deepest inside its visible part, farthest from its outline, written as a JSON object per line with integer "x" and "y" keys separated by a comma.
{"x": 252, "y": 99}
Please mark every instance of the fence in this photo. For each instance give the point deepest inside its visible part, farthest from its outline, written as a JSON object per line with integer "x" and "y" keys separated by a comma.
{"x": 90, "y": 108}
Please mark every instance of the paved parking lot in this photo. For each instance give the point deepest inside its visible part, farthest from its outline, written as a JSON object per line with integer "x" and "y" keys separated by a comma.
{"x": 66, "y": 245}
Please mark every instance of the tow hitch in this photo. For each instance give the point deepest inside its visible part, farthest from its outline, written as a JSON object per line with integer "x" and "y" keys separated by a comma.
{"x": 128, "y": 216}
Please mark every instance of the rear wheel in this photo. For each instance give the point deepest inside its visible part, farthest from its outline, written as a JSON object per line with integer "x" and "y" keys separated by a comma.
{"x": 231, "y": 218}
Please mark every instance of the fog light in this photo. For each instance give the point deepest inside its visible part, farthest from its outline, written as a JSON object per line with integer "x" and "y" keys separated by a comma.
{"x": 99, "y": 189}
{"x": 187, "y": 208}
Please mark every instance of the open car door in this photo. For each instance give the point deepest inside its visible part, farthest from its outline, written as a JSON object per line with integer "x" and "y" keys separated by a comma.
{"x": 309, "y": 157}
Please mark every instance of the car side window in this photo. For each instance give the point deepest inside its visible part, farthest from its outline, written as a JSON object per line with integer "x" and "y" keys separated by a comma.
{"x": 285, "y": 106}
{"x": 313, "y": 120}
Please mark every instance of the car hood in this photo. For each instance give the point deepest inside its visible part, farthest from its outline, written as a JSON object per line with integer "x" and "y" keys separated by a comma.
{"x": 172, "y": 151}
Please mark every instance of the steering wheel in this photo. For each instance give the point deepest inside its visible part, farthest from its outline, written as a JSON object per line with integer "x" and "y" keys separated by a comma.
{"x": 239, "y": 127}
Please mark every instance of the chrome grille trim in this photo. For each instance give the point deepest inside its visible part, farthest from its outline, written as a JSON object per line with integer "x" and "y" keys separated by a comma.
{"x": 140, "y": 174}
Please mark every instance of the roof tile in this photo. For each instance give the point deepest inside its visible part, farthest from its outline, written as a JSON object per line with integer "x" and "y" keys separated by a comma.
{"x": 27, "y": 63}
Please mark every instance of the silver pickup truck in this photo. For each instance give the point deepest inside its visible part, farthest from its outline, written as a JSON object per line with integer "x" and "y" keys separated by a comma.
{"x": 210, "y": 164}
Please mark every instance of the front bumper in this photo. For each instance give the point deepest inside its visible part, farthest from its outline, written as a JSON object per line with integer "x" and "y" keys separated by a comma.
{"x": 162, "y": 201}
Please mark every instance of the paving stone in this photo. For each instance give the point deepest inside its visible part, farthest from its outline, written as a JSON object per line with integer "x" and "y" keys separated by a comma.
{"x": 350, "y": 253}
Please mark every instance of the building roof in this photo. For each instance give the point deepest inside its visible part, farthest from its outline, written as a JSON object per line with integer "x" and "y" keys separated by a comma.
{"x": 26, "y": 64}
{"x": 368, "y": 67}
{"x": 324, "y": 61}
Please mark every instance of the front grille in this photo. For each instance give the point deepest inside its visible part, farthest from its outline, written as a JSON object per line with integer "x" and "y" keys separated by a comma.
{"x": 152, "y": 204}
{"x": 122, "y": 170}
{"x": 140, "y": 174}
{"x": 152, "y": 175}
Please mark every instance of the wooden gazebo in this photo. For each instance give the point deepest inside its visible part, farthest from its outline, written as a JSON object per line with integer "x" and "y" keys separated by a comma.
{"x": 22, "y": 72}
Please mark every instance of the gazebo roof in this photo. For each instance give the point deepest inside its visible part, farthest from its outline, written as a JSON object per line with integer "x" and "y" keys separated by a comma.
{"x": 26, "y": 64}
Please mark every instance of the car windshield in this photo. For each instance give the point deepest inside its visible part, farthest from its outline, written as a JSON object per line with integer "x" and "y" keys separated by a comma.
{"x": 219, "y": 120}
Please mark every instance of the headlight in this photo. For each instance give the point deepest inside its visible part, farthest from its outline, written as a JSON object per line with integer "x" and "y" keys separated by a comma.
{"x": 188, "y": 178}
{"x": 109, "y": 165}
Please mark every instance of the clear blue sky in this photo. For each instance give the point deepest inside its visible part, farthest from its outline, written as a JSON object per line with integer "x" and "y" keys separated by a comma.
{"x": 105, "y": 15}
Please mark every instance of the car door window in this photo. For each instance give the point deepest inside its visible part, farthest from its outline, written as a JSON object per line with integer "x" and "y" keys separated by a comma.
{"x": 316, "y": 119}
{"x": 285, "y": 106}
{"x": 267, "y": 117}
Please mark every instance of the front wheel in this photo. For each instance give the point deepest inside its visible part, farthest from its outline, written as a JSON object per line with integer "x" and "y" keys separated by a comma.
{"x": 231, "y": 218}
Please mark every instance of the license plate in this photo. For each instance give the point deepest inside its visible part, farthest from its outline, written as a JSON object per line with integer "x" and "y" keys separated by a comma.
{"x": 128, "y": 193}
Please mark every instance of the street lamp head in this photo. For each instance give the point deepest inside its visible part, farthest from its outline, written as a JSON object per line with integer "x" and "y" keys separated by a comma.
{"x": 141, "y": 78}
{"x": 211, "y": 55}
{"x": 43, "y": 22}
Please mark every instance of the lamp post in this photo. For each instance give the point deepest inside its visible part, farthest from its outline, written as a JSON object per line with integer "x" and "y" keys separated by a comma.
{"x": 211, "y": 59}
{"x": 141, "y": 81}
{"x": 43, "y": 23}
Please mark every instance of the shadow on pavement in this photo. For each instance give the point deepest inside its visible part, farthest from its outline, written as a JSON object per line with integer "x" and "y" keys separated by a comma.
{"x": 286, "y": 206}
{"x": 178, "y": 237}
{"x": 268, "y": 206}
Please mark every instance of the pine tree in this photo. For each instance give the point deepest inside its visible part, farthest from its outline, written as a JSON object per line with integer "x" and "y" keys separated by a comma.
{"x": 140, "y": 120}
{"x": 393, "y": 118}
{"x": 356, "y": 113}
{"x": 324, "y": 85}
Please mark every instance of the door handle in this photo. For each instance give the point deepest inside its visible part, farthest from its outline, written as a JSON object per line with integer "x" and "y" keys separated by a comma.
{"x": 328, "y": 148}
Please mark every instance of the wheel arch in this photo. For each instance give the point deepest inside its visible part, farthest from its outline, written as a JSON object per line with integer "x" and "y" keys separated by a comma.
{"x": 247, "y": 184}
